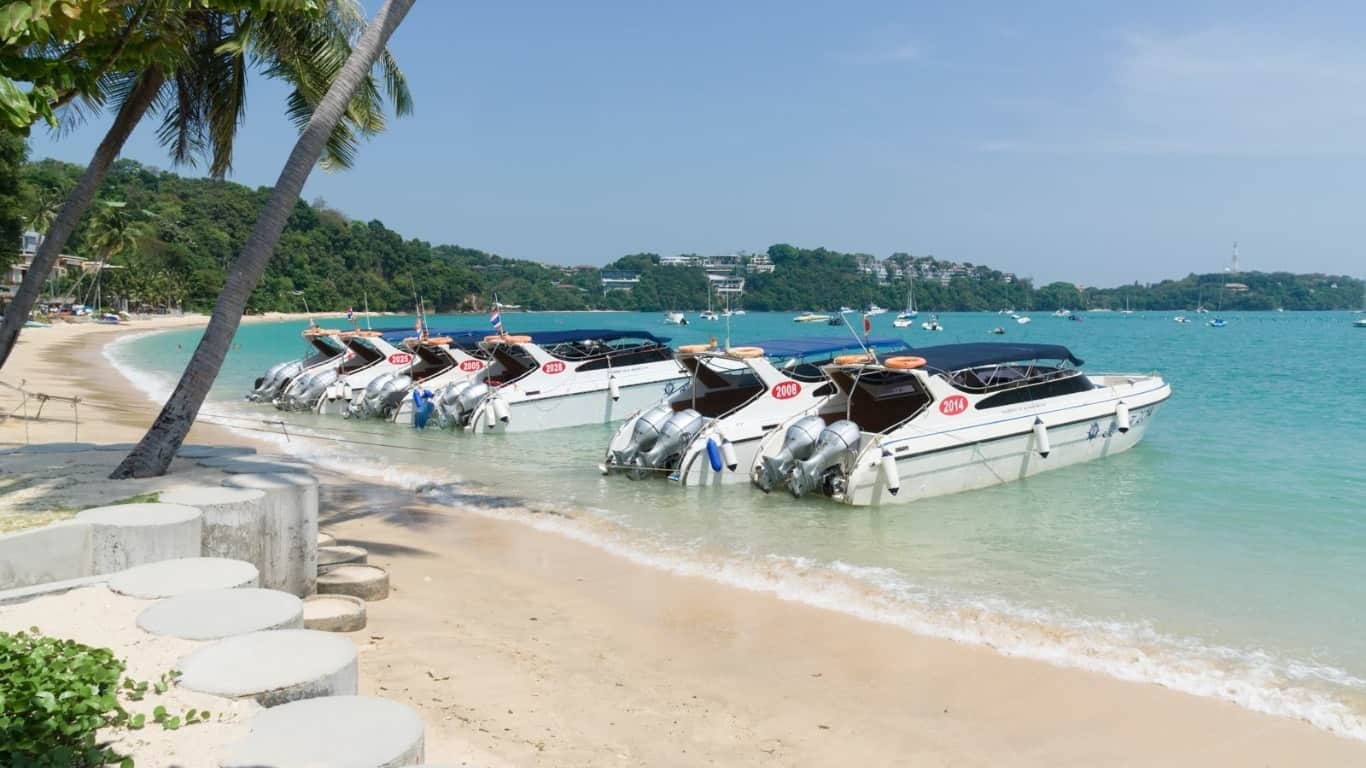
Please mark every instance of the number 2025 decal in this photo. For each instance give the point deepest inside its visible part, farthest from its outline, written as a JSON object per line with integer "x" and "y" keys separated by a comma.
{"x": 400, "y": 358}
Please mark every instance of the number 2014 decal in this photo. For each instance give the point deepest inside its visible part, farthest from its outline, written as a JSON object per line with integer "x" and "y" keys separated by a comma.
{"x": 953, "y": 405}
{"x": 786, "y": 390}
{"x": 554, "y": 366}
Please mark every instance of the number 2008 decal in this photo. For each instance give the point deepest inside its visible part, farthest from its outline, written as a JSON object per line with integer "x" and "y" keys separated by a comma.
{"x": 470, "y": 366}
{"x": 785, "y": 390}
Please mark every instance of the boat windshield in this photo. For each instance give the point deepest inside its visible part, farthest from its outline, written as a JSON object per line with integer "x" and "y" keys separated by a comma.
{"x": 324, "y": 348}
{"x": 591, "y": 354}
{"x": 879, "y": 400}
{"x": 716, "y": 391}
{"x": 1018, "y": 382}
{"x": 365, "y": 355}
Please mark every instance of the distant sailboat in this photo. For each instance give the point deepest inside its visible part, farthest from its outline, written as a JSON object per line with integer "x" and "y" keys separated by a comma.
{"x": 1217, "y": 321}
{"x": 905, "y": 318}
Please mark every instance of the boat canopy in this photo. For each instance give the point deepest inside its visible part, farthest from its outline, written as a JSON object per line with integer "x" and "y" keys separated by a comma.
{"x": 956, "y": 357}
{"x": 544, "y": 338}
{"x": 805, "y": 346}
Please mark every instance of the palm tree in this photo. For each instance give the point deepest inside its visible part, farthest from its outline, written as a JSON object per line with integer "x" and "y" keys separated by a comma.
{"x": 153, "y": 454}
{"x": 202, "y": 100}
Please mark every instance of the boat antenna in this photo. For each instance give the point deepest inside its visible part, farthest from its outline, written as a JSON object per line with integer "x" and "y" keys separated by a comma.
{"x": 366, "y": 295}
{"x": 313, "y": 323}
{"x": 867, "y": 324}
{"x": 727, "y": 321}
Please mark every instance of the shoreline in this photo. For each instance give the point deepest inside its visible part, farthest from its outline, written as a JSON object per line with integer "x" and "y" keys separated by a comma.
{"x": 617, "y": 641}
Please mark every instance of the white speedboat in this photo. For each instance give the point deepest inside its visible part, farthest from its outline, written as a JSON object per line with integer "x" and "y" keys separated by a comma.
{"x": 1062, "y": 312}
{"x": 437, "y": 362}
{"x": 370, "y": 355}
{"x": 708, "y": 314}
{"x": 1022, "y": 320}
{"x": 953, "y": 418}
{"x": 1359, "y": 323}
{"x": 874, "y": 310}
{"x": 811, "y": 317}
{"x": 1181, "y": 319}
{"x": 325, "y": 349}
{"x": 932, "y": 324}
{"x": 552, "y": 379}
{"x": 707, "y": 429}
{"x": 675, "y": 318}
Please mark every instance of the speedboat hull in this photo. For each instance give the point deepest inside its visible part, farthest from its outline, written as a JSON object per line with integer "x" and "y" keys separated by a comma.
{"x": 590, "y": 407}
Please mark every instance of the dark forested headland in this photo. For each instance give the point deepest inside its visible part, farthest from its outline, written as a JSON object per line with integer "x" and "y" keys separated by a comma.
{"x": 176, "y": 236}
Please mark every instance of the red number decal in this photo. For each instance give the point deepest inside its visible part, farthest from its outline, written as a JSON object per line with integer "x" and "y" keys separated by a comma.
{"x": 785, "y": 390}
{"x": 953, "y": 405}
{"x": 554, "y": 366}
{"x": 400, "y": 358}
{"x": 470, "y": 366}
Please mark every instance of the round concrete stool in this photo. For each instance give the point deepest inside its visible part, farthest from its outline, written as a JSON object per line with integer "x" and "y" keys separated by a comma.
{"x": 334, "y": 613}
{"x": 234, "y": 519}
{"x": 340, "y": 554}
{"x": 273, "y": 667}
{"x": 223, "y": 613}
{"x": 289, "y": 552}
{"x": 368, "y": 582}
{"x": 125, "y": 535}
{"x": 168, "y": 578}
{"x": 205, "y": 451}
{"x": 326, "y": 539}
{"x": 338, "y": 732}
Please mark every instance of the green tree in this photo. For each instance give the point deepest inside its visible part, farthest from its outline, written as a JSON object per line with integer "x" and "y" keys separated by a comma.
{"x": 13, "y": 151}
{"x": 197, "y": 78}
{"x": 153, "y": 454}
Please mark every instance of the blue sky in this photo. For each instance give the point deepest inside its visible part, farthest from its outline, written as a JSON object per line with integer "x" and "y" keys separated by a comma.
{"x": 1091, "y": 142}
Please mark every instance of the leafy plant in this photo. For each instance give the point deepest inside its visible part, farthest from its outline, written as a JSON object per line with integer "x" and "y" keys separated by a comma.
{"x": 54, "y": 695}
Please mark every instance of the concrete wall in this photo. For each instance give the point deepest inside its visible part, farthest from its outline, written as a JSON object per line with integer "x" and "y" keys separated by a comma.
{"x": 52, "y": 553}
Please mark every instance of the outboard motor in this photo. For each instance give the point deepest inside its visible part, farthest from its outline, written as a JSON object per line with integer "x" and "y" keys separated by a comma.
{"x": 305, "y": 392}
{"x": 822, "y": 470}
{"x": 446, "y": 404}
{"x": 363, "y": 405}
{"x": 801, "y": 437}
{"x": 644, "y": 433}
{"x": 674, "y": 436}
{"x": 392, "y": 394}
{"x": 269, "y": 385}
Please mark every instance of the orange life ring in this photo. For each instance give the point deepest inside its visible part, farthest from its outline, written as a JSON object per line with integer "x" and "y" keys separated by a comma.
{"x": 367, "y": 334}
{"x": 505, "y": 339}
{"x": 694, "y": 349}
{"x": 904, "y": 362}
{"x": 438, "y": 341}
{"x": 745, "y": 353}
{"x": 862, "y": 357}
{"x": 321, "y": 332}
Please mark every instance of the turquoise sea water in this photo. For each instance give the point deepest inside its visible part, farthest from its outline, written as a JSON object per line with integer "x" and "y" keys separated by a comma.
{"x": 1224, "y": 556}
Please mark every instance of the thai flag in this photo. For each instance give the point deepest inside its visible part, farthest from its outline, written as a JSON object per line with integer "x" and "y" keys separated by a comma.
{"x": 496, "y": 320}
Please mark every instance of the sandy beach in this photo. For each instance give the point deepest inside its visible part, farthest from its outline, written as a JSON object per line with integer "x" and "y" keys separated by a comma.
{"x": 523, "y": 647}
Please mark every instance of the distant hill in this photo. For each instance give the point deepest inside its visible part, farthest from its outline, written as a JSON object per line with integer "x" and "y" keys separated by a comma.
{"x": 191, "y": 229}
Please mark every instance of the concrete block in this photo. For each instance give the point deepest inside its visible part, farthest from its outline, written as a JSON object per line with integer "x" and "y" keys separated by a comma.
{"x": 122, "y": 447}
{"x": 125, "y": 535}
{"x": 55, "y": 552}
{"x": 234, "y": 520}
{"x": 220, "y": 613}
{"x": 340, "y": 554}
{"x": 289, "y": 552}
{"x": 368, "y": 582}
{"x": 334, "y": 613}
{"x": 205, "y": 451}
{"x": 273, "y": 667}
{"x": 326, "y": 539}
{"x": 38, "y": 448}
{"x": 185, "y": 575}
{"x": 338, "y": 731}
{"x": 24, "y": 594}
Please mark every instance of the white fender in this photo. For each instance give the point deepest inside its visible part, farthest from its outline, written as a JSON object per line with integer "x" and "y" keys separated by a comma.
{"x": 501, "y": 410}
{"x": 1041, "y": 438}
{"x": 890, "y": 474}
{"x": 728, "y": 455}
{"x": 1122, "y": 417}
{"x": 613, "y": 388}
{"x": 490, "y": 418}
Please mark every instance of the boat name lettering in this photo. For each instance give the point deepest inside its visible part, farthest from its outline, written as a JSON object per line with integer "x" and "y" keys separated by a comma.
{"x": 786, "y": 390}
{"x": 953, "y": 405}
{"x": 554, "y": 366}
{"x": 400, "y": 358}
{"x": 470, "y": 366}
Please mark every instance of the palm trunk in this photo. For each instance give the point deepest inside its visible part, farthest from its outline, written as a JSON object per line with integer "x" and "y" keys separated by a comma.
{"x": 153, "y": 454}
{"x": 77, "y": 203}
